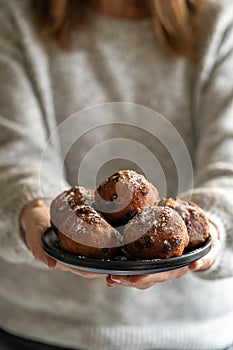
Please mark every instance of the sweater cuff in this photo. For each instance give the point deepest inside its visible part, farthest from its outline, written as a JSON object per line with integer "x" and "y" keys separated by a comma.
{"x": 13, "y": 246}
{"x": 219, "y": 210}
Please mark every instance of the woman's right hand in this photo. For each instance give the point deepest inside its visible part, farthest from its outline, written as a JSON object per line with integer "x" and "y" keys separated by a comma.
{"x": 34, "y": 220}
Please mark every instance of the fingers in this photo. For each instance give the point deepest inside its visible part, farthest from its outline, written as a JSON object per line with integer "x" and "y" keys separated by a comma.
{"x": 89, "y": 275}
{"x": 205, "y": 262}
{"x": 149, "y": 280}
{"x": 145, "y": 281}
{"x": 33, "y": 238}
{"x": 126, "y": 283}
{"x": 33, "y": 212}
{"x": 34, "y": 220}
{"x": 34, "y": 243}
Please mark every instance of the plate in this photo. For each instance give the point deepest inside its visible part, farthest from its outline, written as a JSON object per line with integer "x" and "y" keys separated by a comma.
{"x": 119, "y": 265}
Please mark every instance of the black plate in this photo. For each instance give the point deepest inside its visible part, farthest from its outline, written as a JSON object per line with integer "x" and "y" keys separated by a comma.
{"x": 119, "y": 265}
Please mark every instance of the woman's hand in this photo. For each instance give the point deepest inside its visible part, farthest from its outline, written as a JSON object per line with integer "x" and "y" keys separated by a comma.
{"x": 34, "y": 220}
{"x": 149, "y": 280}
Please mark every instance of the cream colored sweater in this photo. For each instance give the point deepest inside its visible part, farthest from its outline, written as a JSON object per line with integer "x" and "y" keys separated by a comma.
{"x": 114, "y": 60}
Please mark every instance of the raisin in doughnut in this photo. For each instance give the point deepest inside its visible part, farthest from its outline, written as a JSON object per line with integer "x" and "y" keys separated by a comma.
{"x": 156, "y": 232}
{"x": 195, "y": 220}
{"x": 123, "y": 195}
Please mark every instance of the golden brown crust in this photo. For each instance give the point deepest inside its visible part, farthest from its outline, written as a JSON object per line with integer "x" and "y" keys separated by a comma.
{"x": 123, "y": 195}
{"x": 65, "y": 202}
{"x": 80, "y": 229}
{"x": 195, "y": 220}
{"x": 153, "y": 229}
{"x": 156, "y": 232}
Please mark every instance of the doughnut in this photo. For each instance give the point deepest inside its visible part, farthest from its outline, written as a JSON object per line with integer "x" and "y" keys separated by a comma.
{"x": 156, "y": 232}
{"x": 195, "y": 220}
{"x": 123, "y": 195}
{"x": 79, "y": 228}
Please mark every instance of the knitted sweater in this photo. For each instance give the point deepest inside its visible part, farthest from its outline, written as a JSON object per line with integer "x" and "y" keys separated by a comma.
{"x": 114, "y": 60}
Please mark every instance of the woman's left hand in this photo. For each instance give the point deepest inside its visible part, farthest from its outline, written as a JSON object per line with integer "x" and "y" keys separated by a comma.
{"x": 149, "y": 280}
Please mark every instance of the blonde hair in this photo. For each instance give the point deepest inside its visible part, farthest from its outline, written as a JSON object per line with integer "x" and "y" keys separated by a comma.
{"x": 177, "y": 23}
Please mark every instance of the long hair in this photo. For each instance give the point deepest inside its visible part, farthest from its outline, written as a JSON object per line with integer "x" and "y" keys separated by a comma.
{"x": 177, "y": 23}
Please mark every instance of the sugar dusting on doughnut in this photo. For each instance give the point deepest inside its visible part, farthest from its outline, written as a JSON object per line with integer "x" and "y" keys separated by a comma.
{"x": 87, "y": 233}
{"x": 195, "y": 220}
{"x": 123, "y": 195}
{"x": 84, "y": 220}
{"x": 80, "y": 229}
{"x": 156, "y": 232}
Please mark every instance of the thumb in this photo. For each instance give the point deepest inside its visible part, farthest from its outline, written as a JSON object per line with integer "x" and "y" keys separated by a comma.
{"x": 33, "y": 239}
{"x": 35, "y": 221}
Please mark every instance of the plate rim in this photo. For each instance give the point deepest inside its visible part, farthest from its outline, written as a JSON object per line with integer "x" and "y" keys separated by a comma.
{"x": 123, "y": 266}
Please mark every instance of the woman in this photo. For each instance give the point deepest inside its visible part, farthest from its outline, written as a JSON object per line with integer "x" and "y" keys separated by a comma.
{"x": 59, "y": 57}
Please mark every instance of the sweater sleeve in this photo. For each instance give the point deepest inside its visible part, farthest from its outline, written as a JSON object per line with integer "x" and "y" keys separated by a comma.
{"x": 213, "y": 120}
{"x": 23, "y": 134}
